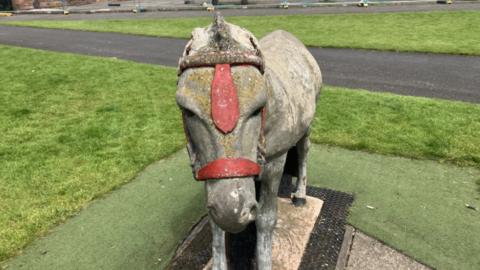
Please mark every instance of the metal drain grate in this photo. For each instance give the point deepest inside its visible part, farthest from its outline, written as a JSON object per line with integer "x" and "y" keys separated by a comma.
{"x": 322, "y": 249}
{"x": 327, "y": 236}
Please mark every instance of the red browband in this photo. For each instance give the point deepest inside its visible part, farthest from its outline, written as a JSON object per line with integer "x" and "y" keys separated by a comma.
{"x": 224, "y": 99}
{"x": 228, "y": 168}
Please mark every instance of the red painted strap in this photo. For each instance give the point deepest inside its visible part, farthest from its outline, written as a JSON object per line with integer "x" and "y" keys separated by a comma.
{"x": 228, "y": 168}
{"x": 225, "y": 109}
{"x": 264, "y": 119}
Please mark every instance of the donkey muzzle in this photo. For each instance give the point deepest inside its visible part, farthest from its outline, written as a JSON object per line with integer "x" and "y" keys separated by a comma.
{"x": 228, "y": 168}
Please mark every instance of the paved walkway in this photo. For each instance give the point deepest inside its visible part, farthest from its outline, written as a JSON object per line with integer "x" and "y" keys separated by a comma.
{"x": 367, "y": 253}
{"x": 431, "y": 75}
{"x": 248, "y": 12}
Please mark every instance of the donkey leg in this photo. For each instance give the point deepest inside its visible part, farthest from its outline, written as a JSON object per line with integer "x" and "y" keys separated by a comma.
{"x": 267, "y": 212}
{"x": 218, "y": 247}
{"x": 300, "y": 197}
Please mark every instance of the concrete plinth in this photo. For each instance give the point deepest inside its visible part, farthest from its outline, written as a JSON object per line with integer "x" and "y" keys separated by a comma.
{"x": 292, "y": 232}
{"x": 291, "y": 235}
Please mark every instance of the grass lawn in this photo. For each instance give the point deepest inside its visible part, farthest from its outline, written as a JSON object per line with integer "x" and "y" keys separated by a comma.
{"x": 74, "y": 127}
{"x": 419, "y": 206}
{"x": 136, "y": 227}
{"x": 455, "y": 32}
{"x": 414, "y": 127}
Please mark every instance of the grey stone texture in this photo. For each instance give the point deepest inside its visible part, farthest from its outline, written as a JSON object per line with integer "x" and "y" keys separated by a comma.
{"x": 276, "y": 105}
{"x": 368, "y": 253}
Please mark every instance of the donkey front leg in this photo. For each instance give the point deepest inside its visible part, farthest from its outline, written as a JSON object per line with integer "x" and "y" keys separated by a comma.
{"x": 300, "y": 196}
{"x": 267, "y": 213}
{"x": 218, "y": 247}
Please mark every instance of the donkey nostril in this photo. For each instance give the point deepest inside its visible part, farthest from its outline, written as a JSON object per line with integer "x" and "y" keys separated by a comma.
{"x": 253, "y": 213}
{"x": 244, "y": 213}
{"x": 249, "y": 213}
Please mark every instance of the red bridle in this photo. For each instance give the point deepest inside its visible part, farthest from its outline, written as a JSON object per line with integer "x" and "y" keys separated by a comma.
{"x": 228, "y": 168}
{"x": 225, "y": 113}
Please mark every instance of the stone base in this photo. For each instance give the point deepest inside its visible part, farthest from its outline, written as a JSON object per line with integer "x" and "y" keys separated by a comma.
{"x": 292, "y": 232}
{"x": 321, "y": 247}
{"x": 291, "y": 235}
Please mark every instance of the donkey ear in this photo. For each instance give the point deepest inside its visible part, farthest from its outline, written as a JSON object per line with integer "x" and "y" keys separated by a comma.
{"x": 188, "y": 47}
{"x": 219, "y": 27}
{"x": 218, "y": 19}
{"x": 221, "y": 33}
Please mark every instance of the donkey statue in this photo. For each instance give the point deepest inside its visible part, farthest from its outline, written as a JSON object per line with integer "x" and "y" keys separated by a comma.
{"x": 245, "y": 104}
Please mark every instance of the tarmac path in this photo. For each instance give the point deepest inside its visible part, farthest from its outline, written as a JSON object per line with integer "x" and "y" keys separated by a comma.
{"x": 444, "y": 76}
{"x": 251, "y": 11}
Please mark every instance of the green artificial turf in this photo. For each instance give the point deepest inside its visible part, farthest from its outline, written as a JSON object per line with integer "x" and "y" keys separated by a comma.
{"x": 418, "y": 207}
{"x": 455, "y": 32}
{"x": 75, "y": 127}
{"x": 137, "y": 226}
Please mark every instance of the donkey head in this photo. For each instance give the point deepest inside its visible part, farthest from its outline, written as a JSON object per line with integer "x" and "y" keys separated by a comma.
{"x": 222, "y": 94}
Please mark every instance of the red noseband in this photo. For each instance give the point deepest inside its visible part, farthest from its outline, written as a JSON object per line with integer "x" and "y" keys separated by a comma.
{"x": 228, "y": 168}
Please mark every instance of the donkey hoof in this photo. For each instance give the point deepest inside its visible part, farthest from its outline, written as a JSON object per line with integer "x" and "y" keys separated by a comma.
{"x": 299, "y": 201}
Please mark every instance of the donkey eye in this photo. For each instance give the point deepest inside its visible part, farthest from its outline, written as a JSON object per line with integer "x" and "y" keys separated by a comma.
{"x": 188, "y": 113}
{"x": 257, "y": 112}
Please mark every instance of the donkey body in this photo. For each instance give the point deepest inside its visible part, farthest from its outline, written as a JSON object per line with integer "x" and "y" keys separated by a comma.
{"x": 276, "y": 83}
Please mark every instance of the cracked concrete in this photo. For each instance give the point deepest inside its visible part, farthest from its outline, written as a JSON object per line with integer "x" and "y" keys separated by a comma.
{"x": 366, "y": 253}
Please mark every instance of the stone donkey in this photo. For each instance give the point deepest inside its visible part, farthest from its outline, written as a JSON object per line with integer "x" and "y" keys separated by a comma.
{"x": 245, "y": 104}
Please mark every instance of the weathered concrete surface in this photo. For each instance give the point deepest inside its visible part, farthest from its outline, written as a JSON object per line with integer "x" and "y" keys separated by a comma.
{"x": 292, "y": 232}
{"x": 342, "y": 259}
{"x": 367, "y": 253}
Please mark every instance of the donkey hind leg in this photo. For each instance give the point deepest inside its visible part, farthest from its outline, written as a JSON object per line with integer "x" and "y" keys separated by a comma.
{"x": 218, "y": 247}
{"x": 267, "y": 211}
{"x": 300, "y": 196}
